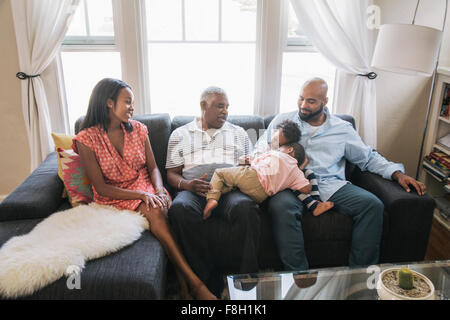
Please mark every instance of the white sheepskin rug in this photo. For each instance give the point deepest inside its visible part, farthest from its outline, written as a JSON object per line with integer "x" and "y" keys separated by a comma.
{"x": 62, "y": 243}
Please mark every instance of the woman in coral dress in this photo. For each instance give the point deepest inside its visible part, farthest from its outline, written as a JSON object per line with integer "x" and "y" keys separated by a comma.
{"x": 119, "y": 162}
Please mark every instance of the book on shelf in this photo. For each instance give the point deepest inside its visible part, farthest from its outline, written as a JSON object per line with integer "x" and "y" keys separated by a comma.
{"x": 445, "y": 108}
{"x": 441, "y": 157}
{"x": 437, "y": 165}
{"x": 434, "y": 172}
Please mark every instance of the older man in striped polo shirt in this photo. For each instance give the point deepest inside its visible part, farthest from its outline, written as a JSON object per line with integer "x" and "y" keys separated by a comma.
{"x": 228, "y": 241}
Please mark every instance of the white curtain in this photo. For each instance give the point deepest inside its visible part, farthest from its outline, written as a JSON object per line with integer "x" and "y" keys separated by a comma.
{"x": 40, "y": 26}
{"x": 338, "y": 30}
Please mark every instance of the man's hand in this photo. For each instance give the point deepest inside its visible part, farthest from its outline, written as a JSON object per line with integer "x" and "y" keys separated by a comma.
{"x": 405, "y": 181}
{"x": 245, "y": 160}
{"x": 199, "y": 186}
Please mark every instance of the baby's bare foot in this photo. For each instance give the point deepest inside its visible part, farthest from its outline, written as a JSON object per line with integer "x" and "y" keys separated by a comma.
{"x": 322, "y": 207}
{"x": 210, "y": 205}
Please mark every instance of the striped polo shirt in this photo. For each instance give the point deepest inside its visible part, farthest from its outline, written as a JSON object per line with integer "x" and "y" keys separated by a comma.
{"x": 200, "y": 151}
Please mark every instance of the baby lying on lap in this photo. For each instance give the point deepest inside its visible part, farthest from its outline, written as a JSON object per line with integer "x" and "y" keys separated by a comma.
{"x": 270, "y": 172}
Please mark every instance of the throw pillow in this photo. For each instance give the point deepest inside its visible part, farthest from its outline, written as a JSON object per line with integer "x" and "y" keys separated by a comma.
{"x": 75, "y": 179}
{"x": 62, "y": 141}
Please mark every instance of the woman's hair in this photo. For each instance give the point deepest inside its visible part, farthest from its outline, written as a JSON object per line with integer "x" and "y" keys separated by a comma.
{"x": 98, "y": 112}
{"x": 290, "y": 130}
{"x": 299, "y": 151}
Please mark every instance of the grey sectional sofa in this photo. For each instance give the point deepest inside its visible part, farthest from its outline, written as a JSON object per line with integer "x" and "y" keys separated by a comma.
{"x": 139, "y": 271}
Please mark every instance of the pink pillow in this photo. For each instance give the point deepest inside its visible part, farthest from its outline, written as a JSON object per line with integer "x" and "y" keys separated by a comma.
{"x": 75, "y": 179}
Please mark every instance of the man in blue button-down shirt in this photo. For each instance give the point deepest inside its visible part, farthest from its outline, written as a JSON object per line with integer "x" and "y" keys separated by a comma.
{"x": 329, "y": 141}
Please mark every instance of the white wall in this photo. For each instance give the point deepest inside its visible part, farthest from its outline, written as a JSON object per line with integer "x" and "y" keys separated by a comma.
{"x": 14, "y": 150}
{"x": 402, "y": 100}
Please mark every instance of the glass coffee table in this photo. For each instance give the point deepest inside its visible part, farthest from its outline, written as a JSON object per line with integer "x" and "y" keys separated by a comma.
{"x": 341, "y": 283}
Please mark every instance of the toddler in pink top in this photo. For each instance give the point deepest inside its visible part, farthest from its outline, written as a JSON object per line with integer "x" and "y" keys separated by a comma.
{"x": 270, "y": 172}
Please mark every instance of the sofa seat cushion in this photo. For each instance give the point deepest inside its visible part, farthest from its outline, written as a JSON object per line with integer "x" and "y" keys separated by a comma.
{"x": 64, "y": 205}
{"x": 158, "y": 126}
{"x": 327, "y": 239}
{"x": 330, "y": 232}
{"x": 137, "y": 271}
{"x": 328, "y": 226}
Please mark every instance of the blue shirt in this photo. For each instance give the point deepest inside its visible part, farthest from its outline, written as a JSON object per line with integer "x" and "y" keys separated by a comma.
{"x": 328, "y": 146}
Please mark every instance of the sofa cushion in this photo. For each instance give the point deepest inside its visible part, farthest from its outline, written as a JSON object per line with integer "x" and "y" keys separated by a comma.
{"x": 62, "y": 141}
{"x": 159, "y": 128}
{"x": 331, "y": 232}
{"x": 64, "y": 205}
{"x": 346, "y": 117}
{"x": 36, "y": 197}
{"x": 268, "y": 120}
{"x": 74, "y": 177}
{"x": 137, "y": 271}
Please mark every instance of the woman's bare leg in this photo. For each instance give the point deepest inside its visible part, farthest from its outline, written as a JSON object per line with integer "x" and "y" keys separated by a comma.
{"x": 185, "y": 294}
{"x": 160, "y": 228}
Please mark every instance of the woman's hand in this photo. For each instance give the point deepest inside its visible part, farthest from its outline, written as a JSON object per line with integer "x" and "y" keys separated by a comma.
{"x": 164, "y": 198}
{"x": 152, "y": 199}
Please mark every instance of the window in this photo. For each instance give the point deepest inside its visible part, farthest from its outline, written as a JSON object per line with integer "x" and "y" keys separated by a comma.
{"x": 92, "y": 23}
{"x": 193, "y": 44}
{"x": 88, "y": 54}
{"x": 171, "y": 50}
{"x": 82, "y": 70}
{"x": 300, "y": 63}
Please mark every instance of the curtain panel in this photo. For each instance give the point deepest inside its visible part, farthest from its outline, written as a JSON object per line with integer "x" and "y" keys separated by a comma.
{"x": 339, "y": 31}
{"x": 40, "y": 26}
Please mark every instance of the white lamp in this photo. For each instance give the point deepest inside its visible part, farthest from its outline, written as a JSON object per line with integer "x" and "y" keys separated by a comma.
{"x": 407, "y": 48}
{"x": 410, "y": 49}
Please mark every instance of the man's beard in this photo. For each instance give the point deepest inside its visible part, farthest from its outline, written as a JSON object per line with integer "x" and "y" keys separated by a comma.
{"x": 307, "y": 117}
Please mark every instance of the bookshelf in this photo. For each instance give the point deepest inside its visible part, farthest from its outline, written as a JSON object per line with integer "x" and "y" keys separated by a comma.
{"x": 434, "y": 175}
{"x": 442, "y": 149}
{"x": 438, "y": 127}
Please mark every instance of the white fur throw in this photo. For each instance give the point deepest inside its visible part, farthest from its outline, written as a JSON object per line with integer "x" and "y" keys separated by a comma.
{"x": 62, "y": 243}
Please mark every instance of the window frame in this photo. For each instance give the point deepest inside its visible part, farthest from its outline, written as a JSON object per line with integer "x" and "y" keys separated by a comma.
{"x": 130, "y": 40}
{"x": 89, "y": 39}
{"x": 125, "y": 42}
{"x": 145, "y": 42}
{"x": 290, "y": 46}
{"x": 83, "y": 44}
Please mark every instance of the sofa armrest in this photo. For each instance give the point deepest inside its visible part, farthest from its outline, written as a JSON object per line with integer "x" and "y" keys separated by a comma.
{"x": 390, "y": 192}
{"x": 38, "y": 196}
{"x": 409, "y": 217}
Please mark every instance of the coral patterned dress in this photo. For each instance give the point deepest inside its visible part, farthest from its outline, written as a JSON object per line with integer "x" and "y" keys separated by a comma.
{"x": 129, "y": 172}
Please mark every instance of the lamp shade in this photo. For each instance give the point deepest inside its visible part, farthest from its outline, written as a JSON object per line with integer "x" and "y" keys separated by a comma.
{"x": 407, "y": 48}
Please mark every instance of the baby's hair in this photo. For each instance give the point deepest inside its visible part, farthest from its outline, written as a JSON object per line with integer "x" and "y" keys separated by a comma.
{"x": 299, "y": 151}
{"x": 290, "y": 130}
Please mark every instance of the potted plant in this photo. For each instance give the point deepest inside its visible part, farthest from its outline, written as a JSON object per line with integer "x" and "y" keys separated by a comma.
{"x": 404, "y": 284}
